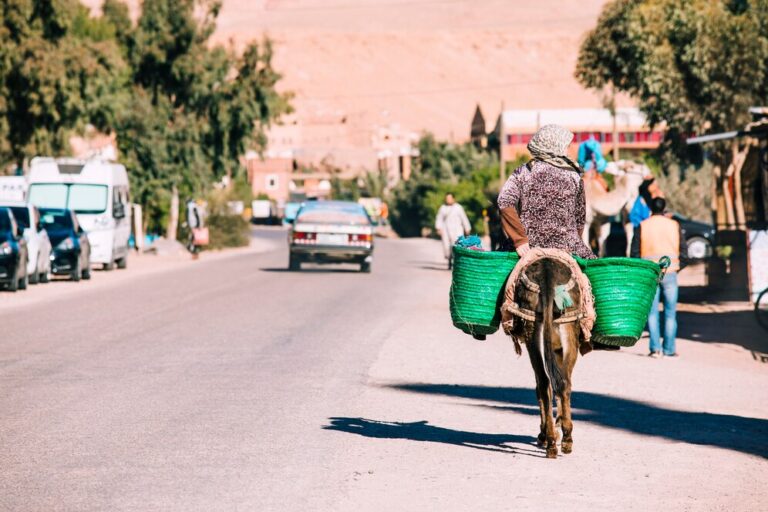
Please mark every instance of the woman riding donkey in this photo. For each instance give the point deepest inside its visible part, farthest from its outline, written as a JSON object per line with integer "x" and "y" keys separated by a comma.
{"x": 549, "y": 305}
{"x": 543, "y": 204}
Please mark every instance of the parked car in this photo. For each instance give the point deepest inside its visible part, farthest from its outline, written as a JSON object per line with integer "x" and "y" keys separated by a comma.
{"x": 263, "y": 211}
{"x": 71, "y": 248}
{"x": 331, "y": 232}
{"x": 699, "y": 236}
{"x": 38, "y": 244}
{"x": 97, "y": 191}
{"x": 13, "y": 252}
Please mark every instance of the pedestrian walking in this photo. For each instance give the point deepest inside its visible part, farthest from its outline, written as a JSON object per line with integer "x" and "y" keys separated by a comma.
{"x": 542, "y": 204}
{"x": 656, "y": 237}
{"x": 198, "y": 234}
{"x": 451, "y": 223}
{"x": 384, "y": 214}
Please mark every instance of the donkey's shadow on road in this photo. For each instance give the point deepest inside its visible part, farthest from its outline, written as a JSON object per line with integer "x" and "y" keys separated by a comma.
{"x": 423, "y": 431}
{"x": 738, "y": 433}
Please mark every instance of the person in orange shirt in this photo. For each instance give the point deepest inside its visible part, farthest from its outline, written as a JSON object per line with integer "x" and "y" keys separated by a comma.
{"x": 659, "y": 236}
{"x": 384, "y": 213}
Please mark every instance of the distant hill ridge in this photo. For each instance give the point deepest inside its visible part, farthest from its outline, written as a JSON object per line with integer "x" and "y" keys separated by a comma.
{"x": 421, "y": 64}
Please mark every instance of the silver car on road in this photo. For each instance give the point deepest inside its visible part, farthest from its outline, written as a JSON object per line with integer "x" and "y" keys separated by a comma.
{"x": 331, "y": 232}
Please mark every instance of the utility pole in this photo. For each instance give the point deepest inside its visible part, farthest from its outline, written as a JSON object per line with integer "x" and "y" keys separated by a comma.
{"x": 502, "y": 144}
{"x": 615, "y": 136}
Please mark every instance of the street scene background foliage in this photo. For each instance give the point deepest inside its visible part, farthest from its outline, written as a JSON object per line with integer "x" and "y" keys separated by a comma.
{"x": 184, "y": 110}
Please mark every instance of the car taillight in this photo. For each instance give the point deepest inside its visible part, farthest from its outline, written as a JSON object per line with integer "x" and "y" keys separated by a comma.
{"x": 360, "y": 239}
{"x": 301, "y": 237}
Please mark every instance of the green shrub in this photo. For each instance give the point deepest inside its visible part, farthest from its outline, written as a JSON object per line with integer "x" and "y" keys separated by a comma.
{"x": 225, "y": 229}
{"x": 228, "y": 231}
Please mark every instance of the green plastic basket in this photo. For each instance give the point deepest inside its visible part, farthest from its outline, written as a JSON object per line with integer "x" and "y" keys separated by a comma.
{"x": 477, "y": 289}
{"x": 624, "y": 289}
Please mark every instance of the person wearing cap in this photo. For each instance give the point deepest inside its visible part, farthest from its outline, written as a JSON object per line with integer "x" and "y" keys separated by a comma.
{"x": 542, "y": 204}
{"x": 656, "y": 237}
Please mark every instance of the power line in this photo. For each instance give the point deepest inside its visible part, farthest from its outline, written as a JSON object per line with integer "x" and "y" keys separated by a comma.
{"x": 444, "y": 90}
{"x": 358, "y": 6}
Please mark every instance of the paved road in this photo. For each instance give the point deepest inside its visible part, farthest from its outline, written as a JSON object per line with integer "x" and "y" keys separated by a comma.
{"x": 232, "y": 384}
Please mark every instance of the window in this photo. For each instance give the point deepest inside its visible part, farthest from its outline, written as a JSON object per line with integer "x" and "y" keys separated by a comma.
{"x": 48, "y": 195}
{"x": 21, "y": 213}
{"x": 5, "y": 220}
{"x": 272, "y": 181}
{"x": 322, "y": 212}
{"x": 88, "y": 198}
{"x": 78, "y": 197}
{"x": 56, "y": 219}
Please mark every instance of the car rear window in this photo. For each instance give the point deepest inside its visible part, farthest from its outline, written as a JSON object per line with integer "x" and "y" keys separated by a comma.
{"x": 333, "y": 214}
{"x": 21, "y": 213}
{"x": 56, "y": 218}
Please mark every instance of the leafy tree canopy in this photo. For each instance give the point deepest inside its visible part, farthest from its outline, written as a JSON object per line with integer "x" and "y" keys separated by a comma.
{"x": 59, "y": 69}
{"x": 462, "y": 169}
{"x": 195, "y": 108}
{"x": 696, "y": 65}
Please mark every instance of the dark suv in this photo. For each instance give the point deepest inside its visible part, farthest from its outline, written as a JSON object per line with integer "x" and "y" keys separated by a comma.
{"x": 699, "y": 236}
{"x": 13, "y": 252}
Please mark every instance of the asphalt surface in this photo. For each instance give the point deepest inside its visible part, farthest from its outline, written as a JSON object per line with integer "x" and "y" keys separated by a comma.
{"x": 233, "y": 384}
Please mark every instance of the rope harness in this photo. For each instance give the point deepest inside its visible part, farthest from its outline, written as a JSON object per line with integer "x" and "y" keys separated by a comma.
{"x": 513, "y": 313}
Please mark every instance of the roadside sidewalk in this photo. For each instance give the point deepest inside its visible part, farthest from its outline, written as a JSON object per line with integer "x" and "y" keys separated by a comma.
{"x": 139, "y": 265}
{"x": 447, "y": 423}
{"x": 704, "y": 319}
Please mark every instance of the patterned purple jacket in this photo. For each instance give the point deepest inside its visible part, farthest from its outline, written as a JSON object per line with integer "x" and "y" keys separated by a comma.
{"x": 551, "y": 205}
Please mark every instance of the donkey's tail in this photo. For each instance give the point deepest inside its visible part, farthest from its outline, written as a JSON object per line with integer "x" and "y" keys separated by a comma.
{"x": 548, "y": 298}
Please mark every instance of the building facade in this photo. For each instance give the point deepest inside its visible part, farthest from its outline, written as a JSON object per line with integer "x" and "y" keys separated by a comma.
{"x": 633, "y": 133}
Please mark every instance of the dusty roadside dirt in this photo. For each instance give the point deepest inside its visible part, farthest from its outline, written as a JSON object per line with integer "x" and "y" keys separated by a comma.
{"x": 448, "y": 423}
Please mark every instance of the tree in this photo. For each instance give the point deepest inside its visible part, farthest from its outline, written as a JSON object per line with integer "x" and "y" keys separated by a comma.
{"x": 59, "y": 70}
{"x": 194, "y": 108}
{"x": 696, "y": 66}
{"x": 469, "y": 173}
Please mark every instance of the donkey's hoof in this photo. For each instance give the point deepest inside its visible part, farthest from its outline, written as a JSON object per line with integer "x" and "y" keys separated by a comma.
{"x": 567, "y": 447}
{"x": 541, "y": 440}
{"x": 551, "y": 453}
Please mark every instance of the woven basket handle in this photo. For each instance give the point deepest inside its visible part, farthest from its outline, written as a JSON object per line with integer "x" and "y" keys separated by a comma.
{"x": 664, "y": 263}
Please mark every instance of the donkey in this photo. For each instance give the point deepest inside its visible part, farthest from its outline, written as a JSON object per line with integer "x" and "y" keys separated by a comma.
{"x": 548, "y": 301}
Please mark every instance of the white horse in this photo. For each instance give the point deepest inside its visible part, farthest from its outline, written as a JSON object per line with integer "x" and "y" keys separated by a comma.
{"x": 602, "y": 204}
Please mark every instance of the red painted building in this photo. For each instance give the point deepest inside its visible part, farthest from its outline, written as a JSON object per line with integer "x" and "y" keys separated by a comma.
{"x": 634, "y": 134}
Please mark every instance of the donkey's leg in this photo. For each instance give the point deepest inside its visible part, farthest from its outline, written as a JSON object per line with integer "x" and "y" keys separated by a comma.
{"x": 549, "y": 423}
{"x": 542, "y": 396}
{"x": 542, "y": 384}
{"x": 547, "y": 433}
{"x": 570, "y": 340}
{"x": 565, "y": 418}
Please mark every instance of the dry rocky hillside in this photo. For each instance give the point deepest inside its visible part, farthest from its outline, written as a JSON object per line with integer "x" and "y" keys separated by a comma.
{"x": 359, "y": 65}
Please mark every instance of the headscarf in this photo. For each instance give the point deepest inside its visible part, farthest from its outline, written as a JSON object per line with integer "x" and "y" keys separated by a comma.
{"x": 550, "y": 145}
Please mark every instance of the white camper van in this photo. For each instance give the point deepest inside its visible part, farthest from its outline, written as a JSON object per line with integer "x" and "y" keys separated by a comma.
{"x": 97, "y": 190}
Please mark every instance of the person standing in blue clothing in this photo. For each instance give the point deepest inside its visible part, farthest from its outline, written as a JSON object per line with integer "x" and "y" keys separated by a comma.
{"x": 656, "y": 237}
{"x": 641, "y": 208}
